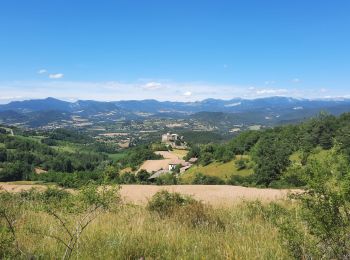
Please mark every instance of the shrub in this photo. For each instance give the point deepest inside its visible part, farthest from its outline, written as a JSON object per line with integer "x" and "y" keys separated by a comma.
{"x": 165, "y": 203}
{"x": 127, "y": 178}
{"x": 240, "y": 164}
{"x": 241, "y": 180}
{"x": 183, "y": 209}
{"x": 207, "y": 180}
{"x": 167, "y": 179}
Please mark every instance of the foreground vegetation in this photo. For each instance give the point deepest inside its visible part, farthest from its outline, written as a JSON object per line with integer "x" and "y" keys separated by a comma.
{"x": 132, "y": 232}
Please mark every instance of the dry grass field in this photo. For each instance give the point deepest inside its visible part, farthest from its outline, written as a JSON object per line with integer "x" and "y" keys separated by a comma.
{"x": 215, "y": 195}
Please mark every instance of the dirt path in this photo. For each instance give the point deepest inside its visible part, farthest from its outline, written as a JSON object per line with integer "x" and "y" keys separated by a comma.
{"x": 216, "y": 195}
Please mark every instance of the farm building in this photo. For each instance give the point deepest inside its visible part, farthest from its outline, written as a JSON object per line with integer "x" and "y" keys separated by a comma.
{"x": 170, "y": 138}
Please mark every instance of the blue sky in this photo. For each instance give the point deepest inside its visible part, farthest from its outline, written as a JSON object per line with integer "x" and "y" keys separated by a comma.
{"x": 173, "y": 50}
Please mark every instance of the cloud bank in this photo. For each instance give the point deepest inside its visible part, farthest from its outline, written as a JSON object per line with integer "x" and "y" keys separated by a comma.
{"x": 151, "y": 89}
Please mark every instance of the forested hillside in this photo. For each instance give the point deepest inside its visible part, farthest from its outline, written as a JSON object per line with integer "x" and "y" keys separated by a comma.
{"x": 277, "y": 155}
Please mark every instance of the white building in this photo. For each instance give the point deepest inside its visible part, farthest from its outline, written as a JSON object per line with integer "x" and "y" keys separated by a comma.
{"x": 170, "y": 138}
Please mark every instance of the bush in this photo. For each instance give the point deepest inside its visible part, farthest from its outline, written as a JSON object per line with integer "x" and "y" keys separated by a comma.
{"x": 241, "y": 180}
{"x": 142, "y": 177}
{"x": 207, "y": 180}
{"x": 184, "y": 209}
{"x": 165, "y": 203}
{"x": 241, "y": 164}
{"x": 7, "y": 243}
{"x": 127, "y": 178}
{"x": 167, "y": 179}
{"x": 49, "y": 141}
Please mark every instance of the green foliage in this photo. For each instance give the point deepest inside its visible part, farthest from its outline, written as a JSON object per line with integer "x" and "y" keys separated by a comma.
{"x": 194, "y": 152}
{"x": 183, "y": 209}
{"x": 271, "y": 157}
{"x": 15, "y": 171}
{"x": 49, "y": 141}
{"x": 142, "y": 177}
{"x": 159, "y": 147}
{"x": 270, "y": 149}
{"x": 70, "y": 180}
{"x": 70, "y": 136}
{"x": 7, "y": 248}
{"x": 3, "y": 155}
{"x": 80, "y": 208}
{"x": 22, "y": 154}
{"x": 202, "y": 137}
{"x": 137, "y": 155}
{"x": 244, "y": 142}
{"x": 242, "y": 180}
{"x": 165, "y": 203}
{"x": 207, "y": 180}
{"x": 206, "y": 158}
{"x": 325, "y": 207}
{"x": 127, "y": 178}
{"x": 241, "y": 164}
{"x": 167, "y": 179}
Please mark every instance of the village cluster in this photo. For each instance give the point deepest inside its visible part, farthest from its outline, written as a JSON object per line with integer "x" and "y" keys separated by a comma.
{"x": 172, "y": 162}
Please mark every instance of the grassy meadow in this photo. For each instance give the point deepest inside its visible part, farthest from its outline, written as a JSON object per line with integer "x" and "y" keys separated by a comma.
{"x": 218, "y": 169}
{"x": 133, "y": 232}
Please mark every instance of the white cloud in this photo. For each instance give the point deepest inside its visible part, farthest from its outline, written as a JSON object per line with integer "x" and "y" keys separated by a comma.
{"x": 56, "y": 76}
{"x": 164, "y": 90}
{"x": 152, "y": 85}
{"x": 42, "y": 71}
{"x": 271, "y": 91}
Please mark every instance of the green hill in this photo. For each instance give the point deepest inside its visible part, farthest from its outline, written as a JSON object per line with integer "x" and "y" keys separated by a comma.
{"x": 221, "y": 170}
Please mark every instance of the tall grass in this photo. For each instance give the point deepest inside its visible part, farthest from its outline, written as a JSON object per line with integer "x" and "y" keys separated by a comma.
{"x": 132, "y": 232}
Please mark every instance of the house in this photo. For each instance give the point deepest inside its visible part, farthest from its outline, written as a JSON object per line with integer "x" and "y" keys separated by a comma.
{"x": 170, "y": 138}
{"x": 174, "y": 163}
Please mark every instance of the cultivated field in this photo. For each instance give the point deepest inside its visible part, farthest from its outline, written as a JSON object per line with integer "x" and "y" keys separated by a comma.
{"x": 156, "y": 165}
{"x": 216, "y": 195}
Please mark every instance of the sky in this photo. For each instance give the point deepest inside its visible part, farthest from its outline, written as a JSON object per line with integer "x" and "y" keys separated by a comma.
{"x": 182, "y": 50}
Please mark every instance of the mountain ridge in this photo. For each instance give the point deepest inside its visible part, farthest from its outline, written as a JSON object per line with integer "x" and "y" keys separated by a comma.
{"x": 155, "y": 106}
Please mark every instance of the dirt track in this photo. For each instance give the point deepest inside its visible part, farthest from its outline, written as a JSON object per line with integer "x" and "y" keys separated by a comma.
{"x": 213, "y": 194}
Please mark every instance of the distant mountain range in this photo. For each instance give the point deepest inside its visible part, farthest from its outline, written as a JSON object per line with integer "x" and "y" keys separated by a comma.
{"x": 262, "y": 110}
{"x": 154, "y": 106}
